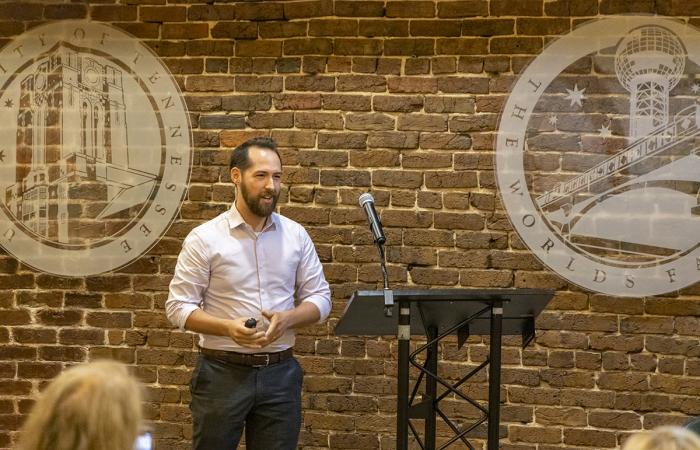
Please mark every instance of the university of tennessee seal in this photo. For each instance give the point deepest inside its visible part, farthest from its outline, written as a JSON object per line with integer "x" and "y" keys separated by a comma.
{"x": 597, "y": 156}
{"x": 95, "y": 153}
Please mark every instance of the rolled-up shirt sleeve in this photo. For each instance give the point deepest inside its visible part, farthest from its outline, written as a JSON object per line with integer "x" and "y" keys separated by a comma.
{"x": 189, "y": 282}
{"x": 311, "y": 284}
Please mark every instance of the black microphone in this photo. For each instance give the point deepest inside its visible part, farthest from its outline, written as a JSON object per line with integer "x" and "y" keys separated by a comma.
{"x": 367, "y": 202}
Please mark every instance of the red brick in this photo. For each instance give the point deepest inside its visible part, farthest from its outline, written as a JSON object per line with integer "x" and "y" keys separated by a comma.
{"x": 462, "y": 8}
{"x": 246, "y": 83}
{"x": 333, "y": 27}
{"x": 258, "y": 48}
{"x": 110, "y": 13}
{"x": 294, "y": 138}
{"x": 409, "y": 47}
{"x": 439, "y": 27}
{"x": 516, "y": 45}
{"x": 465, "y": 221}
{"x": 413, "y": 85}
{"x": 413, "y": 8}
{"x": 358, "y": 46}
{"x": 346, "y": 102}
{"x": 270, "y": 120}
{"x": 109, "y": 319}
{"x": 380, "y": 27}
{"x": 185, "y": 31}
{"x": 598, "y": 439}
{"x": 62, "y": 353}
{"x": 313, "y": 83}
{"x": 393, "y": 139}
{"x": 312, "y": 8}
{"x": 572, "y": 8}
{"x": 369, "y": 121}
{"x": 375, "y": 158}
{"x": 211, "y": 12}
{"x": 544, "y": 435}
{"x": 279, "y": 29}
{"x": 422, "y": 122}
{"x": 234, "y": 30}
{"x": 432, "y": 160}
{"x": 318, "y": 120}
{"x": 516, "y": 8}
{"x": 65, "y": 11}
{"x": 406, "y": 219}
{"x": 163, "y": 13}
{"x": 12, "y": 387}
{"x": 400, "y": 179}
{"x": 81, "y": 336}
{"x": 345, "y": 178}
{"x": 209, "y": 83}
{"x": 311, "y": 46}
{"x": 539, "y": 27}
{"x": 417, "y": 66}
{"x": 364, "y": 83}
{"x": 342, "y": 140}
{"x": 620, "y": 6}
{"x": 352, "y": 8}
{"x": 38, "y": 370}
{"x": 436, "y": 180}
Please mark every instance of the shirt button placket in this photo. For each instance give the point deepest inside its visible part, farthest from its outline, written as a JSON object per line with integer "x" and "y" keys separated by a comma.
{"x": 260, "y": 261}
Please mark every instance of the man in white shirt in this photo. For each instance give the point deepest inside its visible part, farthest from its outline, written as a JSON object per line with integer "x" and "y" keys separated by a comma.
{"x": 248, "y": 262}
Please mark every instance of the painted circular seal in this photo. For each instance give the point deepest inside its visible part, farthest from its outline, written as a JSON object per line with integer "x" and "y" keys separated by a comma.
{"x": 95, "y": 154}
{"x": 597, "y": 156}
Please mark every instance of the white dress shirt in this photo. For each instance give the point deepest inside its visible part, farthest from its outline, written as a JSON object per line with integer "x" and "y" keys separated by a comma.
{"x": 230, "y": 271}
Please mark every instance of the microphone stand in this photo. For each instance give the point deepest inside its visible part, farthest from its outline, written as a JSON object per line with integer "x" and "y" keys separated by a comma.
{"x": 388, "y": 293}
{"x": 403, "y": 333}
{"x": 404, "y": 338}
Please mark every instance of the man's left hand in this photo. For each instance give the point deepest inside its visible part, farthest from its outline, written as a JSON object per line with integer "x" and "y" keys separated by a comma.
{"x": 280, "y": 321}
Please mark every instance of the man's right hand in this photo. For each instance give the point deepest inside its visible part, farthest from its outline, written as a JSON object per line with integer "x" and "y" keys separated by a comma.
{"x": 245, "y": 337}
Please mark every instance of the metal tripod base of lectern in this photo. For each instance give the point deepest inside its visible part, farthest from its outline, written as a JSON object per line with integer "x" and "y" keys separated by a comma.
{"x": 444, "y": 312}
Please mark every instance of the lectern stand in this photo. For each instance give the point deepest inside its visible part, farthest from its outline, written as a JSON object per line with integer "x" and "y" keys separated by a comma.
{"x": 443, "y": 312}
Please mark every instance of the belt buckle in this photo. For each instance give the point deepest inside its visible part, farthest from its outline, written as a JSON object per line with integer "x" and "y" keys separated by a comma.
{"x": 267, "y": 361}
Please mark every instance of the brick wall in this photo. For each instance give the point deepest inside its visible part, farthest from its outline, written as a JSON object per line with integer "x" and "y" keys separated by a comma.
{"x": 401, "y": 97}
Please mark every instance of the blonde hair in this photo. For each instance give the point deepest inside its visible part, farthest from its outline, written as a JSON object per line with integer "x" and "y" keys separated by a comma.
{"x": 664, "y": 438}
{"x": 95, "y": 406}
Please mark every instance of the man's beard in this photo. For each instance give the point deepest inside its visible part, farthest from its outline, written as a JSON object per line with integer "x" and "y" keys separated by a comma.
{"x": 255, "y": 203}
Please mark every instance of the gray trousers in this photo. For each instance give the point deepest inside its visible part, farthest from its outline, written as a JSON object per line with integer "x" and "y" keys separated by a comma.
{"x": 226, "y": 397}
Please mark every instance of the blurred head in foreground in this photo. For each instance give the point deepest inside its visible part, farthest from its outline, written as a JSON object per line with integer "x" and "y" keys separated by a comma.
{"x": 95, "y": 406}
{"x": 664, "y": 438}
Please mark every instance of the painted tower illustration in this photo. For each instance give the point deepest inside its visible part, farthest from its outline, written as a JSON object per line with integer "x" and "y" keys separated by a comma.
{"x": 649, "y": 63}
{"x": 72, "y": 149}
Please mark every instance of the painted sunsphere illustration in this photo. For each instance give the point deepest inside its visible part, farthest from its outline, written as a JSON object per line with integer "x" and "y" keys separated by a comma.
{"x": 95, "y": 152}
{"x": 596, "y": 156}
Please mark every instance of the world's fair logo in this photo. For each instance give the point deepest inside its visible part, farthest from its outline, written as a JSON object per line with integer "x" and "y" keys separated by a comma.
{"x": 597, "y": 156}
{"x": 95, "y": 149}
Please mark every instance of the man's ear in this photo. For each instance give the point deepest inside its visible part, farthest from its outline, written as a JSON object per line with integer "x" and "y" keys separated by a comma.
{"x": 236, "y": 176}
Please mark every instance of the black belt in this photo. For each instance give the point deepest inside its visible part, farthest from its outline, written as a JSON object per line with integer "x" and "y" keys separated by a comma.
{"x": 248, "y": 359}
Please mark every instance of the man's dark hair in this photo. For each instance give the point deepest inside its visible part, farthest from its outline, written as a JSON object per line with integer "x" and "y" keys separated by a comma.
{"x": 239, "y": 156}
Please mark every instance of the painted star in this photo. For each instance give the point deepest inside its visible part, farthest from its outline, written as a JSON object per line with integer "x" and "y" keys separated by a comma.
{"x": 553, "y": 120}
{"x": 2, "y": 155}
{"x": 605, "y": 131}
{"x": 8, "y": 103}
{"x": 576, "y": 95}
{"x": 695, "y": 88}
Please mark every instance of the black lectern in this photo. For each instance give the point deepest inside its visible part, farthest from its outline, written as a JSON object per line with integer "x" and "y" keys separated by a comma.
{"x": 443, "y": 312}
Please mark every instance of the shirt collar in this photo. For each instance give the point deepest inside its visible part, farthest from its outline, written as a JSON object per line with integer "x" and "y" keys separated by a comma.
{"x": 235, "y": 219}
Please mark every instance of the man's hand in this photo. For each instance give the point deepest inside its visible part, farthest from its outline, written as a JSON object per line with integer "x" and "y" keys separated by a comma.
{"x": 280, "y": 321}
{"x": 246, "y": 337}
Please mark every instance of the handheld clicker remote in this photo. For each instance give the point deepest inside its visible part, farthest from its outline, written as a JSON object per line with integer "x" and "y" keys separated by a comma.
{"x": 251, "y": 323}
